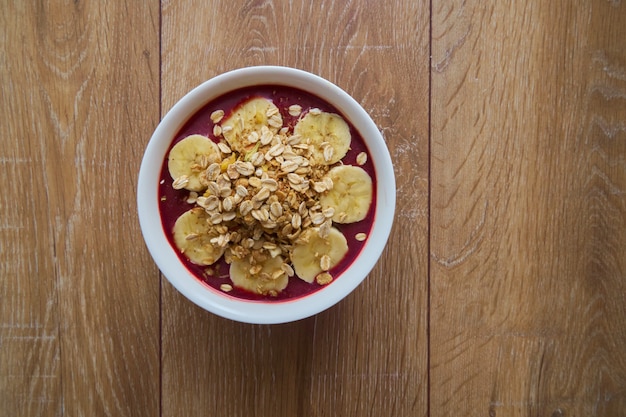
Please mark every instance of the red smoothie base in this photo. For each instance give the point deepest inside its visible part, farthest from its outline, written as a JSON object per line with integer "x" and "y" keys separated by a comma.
{"x": 172, "y": 203}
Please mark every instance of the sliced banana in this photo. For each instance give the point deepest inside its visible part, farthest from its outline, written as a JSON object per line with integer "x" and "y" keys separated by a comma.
{"x": 250, "y": 117}
{"x": 269, "y": 280}
{"x": 351, "y": 195}
{"x": 329, "y": 136}
{"x": 192, "y": 236}
{"x": 316, "y": 254}
{"x": 188, "y": 158}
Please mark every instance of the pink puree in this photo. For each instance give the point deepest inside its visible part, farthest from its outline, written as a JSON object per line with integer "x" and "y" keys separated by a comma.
{"x": 175, "y": 203}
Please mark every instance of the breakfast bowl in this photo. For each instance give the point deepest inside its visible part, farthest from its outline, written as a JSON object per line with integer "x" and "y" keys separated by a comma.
{"x": 266, "y": 195}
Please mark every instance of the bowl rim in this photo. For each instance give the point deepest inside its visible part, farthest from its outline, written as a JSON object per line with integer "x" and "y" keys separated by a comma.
{"x": 251, "y": 311}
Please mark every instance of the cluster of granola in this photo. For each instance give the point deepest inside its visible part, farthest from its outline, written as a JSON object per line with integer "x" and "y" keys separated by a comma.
{"x": 261, "y": 201}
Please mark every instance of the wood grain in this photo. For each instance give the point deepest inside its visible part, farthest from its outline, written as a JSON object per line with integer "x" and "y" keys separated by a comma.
{"x": 367, "y": 355}
{"x": 528, "y": 215}
{"x": 502, "y": 291}
{"x": 30, "y": 371}
{"x": 79, "y": 318}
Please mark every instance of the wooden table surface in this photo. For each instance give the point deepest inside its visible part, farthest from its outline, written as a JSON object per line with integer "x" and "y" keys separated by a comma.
{"x": 502, "y": 291}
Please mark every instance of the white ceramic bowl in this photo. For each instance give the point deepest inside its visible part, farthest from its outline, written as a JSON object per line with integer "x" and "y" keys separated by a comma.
{"x": 258, "y": 311}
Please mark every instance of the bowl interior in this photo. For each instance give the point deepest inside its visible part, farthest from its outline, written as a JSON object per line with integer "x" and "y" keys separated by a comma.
{"x": 257, "y": 311}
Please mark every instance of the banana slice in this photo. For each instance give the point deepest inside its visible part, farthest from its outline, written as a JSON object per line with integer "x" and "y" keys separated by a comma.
{"x": 351, "y": 195}
{"x": 269, "y": 280}
{"x": 192, "y": 236}
{"x": 329, "y": 136}
{"x": 250, "y": 117}
{"x": 316, "y": 254}
{"x": 188, "y": 158}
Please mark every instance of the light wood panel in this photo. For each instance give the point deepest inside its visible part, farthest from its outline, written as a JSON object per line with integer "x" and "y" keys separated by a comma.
{"x": 79, "y": 315}
{"x": 528, "y": 215}
{"x": 30, "y": 371}
{"x": 367, "y": 355}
